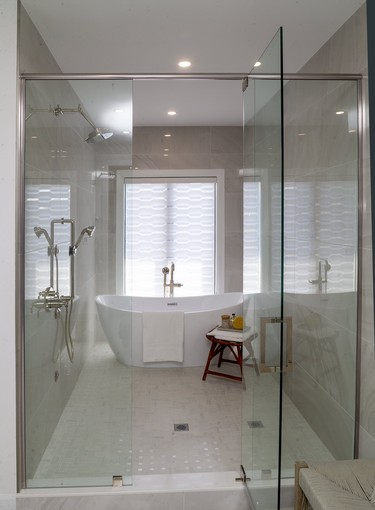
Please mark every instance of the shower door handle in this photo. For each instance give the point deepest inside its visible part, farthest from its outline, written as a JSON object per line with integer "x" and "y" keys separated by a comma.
{"x": 270, "y": 361}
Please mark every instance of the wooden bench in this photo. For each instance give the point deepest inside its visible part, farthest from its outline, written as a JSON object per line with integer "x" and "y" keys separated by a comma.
{"x": 336, "y": 485}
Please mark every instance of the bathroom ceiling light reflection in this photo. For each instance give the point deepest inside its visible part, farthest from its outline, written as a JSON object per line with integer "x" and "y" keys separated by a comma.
{"x": 184, "y": 63}
{"x": 109, "y": 103}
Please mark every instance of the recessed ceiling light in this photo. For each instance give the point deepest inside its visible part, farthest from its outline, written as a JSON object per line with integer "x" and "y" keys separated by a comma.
{"x": 119, "y": 110}
{"x": 126, "y": 132}
{"x": 340, "y": 112}
{"x": 184, "y": 63}
{"x": 301, "y": 134}
{"x": 172, "y": 112}
{"x": 166, "y": 150}
{"x": 257, "y": 64}
{"x": 34, "y": 137}
{"x": 165, "y": 154}
{"x": 167, "y": 135}
{"x": 352, "y": 131}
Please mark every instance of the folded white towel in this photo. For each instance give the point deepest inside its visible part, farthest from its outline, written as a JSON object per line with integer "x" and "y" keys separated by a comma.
{"x": 234, "y": 336}
{"x": 163, "y": 336}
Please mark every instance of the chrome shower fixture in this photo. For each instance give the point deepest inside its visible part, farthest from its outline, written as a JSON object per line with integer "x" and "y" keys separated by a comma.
{"x": 42, "y": 231}
{"x": 98, "y": 135}
{"x": 50, "y": 298}
{"x": 171, "y": 283}
{"x": 89, "y": 231}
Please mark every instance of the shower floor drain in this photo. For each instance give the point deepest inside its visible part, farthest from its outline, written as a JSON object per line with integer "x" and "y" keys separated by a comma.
{"x": 180, "y": 427}
{"x": 255, "y": 424}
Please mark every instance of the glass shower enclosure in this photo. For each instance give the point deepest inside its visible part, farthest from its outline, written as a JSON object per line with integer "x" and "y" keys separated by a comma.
{"x": 300, "y": 189}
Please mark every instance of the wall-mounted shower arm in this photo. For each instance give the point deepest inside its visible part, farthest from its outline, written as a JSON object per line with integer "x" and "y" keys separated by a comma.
{"x": 98, "y": 134}
{"x": 59, "y": 110}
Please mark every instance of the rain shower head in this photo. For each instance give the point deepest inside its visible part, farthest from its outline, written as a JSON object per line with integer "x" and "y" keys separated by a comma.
{"x": 99, "y": 135}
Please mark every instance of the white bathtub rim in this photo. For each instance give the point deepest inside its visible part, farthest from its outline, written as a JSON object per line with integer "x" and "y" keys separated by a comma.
{"x": 101, "y": 299}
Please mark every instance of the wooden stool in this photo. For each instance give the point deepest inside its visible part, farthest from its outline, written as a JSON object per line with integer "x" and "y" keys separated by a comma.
{"x": 218, "y": 346}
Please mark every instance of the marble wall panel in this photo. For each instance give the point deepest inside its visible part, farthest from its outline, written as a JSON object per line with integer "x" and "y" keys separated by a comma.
{"x": 226, "y": 140}
{"x": 183, "y": 140}
{"x": 189, "y": 148}
{"x": 333, "y": 425}
{"x": 35, "y": 56}
{"x": 58, "y": 155}
{"x": 345, "y": 52}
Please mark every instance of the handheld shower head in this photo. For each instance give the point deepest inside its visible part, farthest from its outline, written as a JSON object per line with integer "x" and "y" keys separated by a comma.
{"x": 89, "y": 231}
{"x": 39, "y": 231}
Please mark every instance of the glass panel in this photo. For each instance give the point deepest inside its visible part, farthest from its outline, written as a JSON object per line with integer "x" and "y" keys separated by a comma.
{"x": 263, "y": 171}
{"x": 321, "y": 254}
{"x": 76, "y": 393}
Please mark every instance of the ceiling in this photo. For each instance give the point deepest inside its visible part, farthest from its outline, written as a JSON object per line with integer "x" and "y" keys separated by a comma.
{"x": 152, "y": 36}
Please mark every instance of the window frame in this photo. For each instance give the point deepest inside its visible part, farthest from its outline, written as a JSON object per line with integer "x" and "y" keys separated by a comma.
{"x": 190, "y": 174}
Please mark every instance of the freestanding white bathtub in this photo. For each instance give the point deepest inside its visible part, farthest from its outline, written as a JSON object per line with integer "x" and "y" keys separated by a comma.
{"x": 121, "y": 320}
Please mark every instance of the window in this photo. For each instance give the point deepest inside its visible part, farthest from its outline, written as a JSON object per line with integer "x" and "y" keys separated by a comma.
{"x": 176, "y": 217}
{"x": 251, "y": 236}
{"x": 44, "y": 202}
{"x": 320, "y": 224}
{"x": 320, "y": 221}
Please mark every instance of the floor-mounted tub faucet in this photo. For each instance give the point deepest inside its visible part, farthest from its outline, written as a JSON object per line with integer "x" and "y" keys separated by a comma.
{"x": 324, "y": 267}
{"x": 171, "y": 283}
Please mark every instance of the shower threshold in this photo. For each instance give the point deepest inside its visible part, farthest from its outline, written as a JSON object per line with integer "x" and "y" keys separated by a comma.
{"x": 176, "y": 489}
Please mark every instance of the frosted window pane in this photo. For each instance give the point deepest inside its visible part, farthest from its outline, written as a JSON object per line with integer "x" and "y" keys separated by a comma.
{"x": 43, "y": 202}
{"x": 167, "y": 222}
{"x": 251, "y": 265}
{"x": 320, "y": 223}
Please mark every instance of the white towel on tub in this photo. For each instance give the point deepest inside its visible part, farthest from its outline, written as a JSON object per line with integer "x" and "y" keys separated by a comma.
{"x": 163, "y": 336}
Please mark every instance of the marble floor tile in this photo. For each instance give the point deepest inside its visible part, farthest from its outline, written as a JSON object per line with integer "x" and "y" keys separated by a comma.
{"x": 120, "y": 420}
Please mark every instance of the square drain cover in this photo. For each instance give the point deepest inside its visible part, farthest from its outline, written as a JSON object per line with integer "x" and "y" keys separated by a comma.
{"x": 179, "y": 427}
{"x": 255, "y": 424}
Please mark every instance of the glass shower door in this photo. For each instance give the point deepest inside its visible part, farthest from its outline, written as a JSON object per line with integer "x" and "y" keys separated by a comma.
{"x": 263, "y": 276}
{"x": 77, "y": 413}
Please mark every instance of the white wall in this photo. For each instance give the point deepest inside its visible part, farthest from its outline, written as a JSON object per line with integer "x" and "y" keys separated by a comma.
{"x": 8, "y": 109}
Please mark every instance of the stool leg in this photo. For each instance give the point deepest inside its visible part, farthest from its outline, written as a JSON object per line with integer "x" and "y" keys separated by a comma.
{"x": 211, "y": 354}
{"x": 240, "y": 358}
{"x": 222, "y": 349}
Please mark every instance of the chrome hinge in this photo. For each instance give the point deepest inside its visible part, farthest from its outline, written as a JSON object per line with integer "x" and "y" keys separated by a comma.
{"x": 117, "y": 481}
{"x": 245, "y": 83}
{"x": 243, "y": 478}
